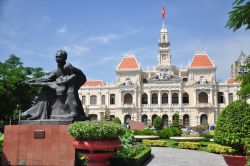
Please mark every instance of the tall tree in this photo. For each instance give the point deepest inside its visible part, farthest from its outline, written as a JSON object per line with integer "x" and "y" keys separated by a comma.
{"x": 15, "y": 95}
{"x": 240, "y": 15}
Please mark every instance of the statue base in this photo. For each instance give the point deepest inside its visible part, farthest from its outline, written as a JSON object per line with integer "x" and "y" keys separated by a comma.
{"x": 35, "y": 144}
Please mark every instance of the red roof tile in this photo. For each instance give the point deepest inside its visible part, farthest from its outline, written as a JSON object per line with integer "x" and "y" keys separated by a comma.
{"x": 94, "y": 83}
{"x": 201, "y": 60}
{"x": 232, "y": 80}
{"x": 128, "y": 62}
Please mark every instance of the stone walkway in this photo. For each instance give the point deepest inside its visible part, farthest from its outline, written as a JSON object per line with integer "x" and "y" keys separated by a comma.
{"x": 183, "y": 157}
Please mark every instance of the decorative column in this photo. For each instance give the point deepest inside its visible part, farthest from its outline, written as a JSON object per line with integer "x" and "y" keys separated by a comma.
{"x": 195, "y": 97}
{"x": 226, "y": 97}
{"x": 180, "y": 98}
{"x": 159, "y": 97}
{"x": 149, "y": 98}
{"x": 170, "y": 98}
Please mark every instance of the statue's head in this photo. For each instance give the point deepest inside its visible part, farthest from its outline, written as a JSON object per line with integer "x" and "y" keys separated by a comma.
{"x": 61, "y": 56}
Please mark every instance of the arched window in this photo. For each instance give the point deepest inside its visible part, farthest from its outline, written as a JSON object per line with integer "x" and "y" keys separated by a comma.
{"x": 93, "y": 117}
{"x": 220, "y": 97}
{"x": 93, "y": 100}
{"x": 103, "y": 99}
{"x": 203, "y": 119}
{"x": 203, "y": 97}
{"x": 186, "y": 120}
{"x": 144, "y": 99}
{"x": 83, "y": 100}
{"x": 153, "y": 118}
{"x": 185, "y": 98}
{"x": 164, "y": 98}
{"x": 112, "y": 99}
{"x": 175, "y": 99}
{"x": 128, "y": 98}
{"x": 231, "y": 97}
{"x": 165, "y": 120}
{"x": 154, "y": 98}
{"x": 112, "y": 117}
{"x": 144, "y": 119}
{"x": 127, "y": 118}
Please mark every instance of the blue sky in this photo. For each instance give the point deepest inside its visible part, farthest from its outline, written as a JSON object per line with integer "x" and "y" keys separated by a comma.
{"x": 96, "y": 33}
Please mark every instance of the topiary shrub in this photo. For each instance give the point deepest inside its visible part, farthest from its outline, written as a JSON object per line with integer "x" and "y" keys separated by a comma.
{"x": 176, "y": 120}
{"x": 164, "y": 133}
{"x": 176, "y": 131}
{"x": 117, "y": 120}
{"x": 158, "y": 123}
{"x": 233, "y": 125}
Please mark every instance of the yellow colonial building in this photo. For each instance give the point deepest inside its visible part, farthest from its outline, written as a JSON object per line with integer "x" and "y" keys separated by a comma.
{"x": 142, "y": 94}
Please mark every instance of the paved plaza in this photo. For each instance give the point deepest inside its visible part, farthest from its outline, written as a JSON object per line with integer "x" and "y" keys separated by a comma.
{"x": 182, "y": 157}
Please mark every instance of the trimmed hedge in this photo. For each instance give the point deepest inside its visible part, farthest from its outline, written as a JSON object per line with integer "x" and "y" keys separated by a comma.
{"x": 216, "y": 148}
{"x": 233, "y": 125}
{"x": 169, "y": 132}
{"x": 131, "y": 151}
{"x": 95, "y": 130}
{"x": 138, "y": 158}
{"x": 189, "y": 145}
{"x": 157, "y": 143}
{"x": 144, "y": 132}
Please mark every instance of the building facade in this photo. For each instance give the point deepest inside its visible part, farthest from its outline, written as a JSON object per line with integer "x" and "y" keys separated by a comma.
{"x": 164, "y": 90}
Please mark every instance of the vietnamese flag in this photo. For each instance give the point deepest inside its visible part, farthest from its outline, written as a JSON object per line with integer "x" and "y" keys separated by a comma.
{"x": 163, "y": 12}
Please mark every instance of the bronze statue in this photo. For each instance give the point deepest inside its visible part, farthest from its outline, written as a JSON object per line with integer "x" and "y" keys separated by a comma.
{"x": 59, "y": 98}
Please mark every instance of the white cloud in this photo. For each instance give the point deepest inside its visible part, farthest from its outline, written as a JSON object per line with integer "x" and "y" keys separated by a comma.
{"x": 63, "y": 29}
{"x": 76, "y": 49}
{"x": 104, "y": 39}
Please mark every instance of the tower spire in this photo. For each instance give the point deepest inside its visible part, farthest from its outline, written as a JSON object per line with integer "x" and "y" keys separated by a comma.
{"x": 164, "y": 56}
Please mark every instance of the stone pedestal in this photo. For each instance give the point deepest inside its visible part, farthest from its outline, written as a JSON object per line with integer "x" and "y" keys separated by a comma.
{"x": 38, "y": 144}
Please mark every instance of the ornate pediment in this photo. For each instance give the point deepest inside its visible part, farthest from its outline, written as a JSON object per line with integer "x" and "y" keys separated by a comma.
{"x": 164, "y": 76}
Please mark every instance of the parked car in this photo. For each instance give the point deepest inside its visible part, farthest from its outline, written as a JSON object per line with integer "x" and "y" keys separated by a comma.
{"x": 211, "y": 127}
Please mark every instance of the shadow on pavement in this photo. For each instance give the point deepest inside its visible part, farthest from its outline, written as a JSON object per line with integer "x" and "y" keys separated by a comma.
{"x": 149, "y": 160}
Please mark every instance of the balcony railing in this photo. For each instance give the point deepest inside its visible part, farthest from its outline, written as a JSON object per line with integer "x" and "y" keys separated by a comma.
{"x": 128, "y": 105}
{"x": 203, "y": 105}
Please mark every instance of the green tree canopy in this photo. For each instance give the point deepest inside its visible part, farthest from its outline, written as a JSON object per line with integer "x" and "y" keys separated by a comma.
{"x": 240, "y": 15}
{"x": 15, "y": 95}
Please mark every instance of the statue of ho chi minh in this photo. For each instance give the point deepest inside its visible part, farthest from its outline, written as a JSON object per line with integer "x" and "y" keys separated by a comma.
{"x": 59, "y": 97}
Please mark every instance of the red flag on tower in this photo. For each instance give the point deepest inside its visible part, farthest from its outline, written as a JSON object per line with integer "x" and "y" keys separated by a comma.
{"x": 163, "y": 12}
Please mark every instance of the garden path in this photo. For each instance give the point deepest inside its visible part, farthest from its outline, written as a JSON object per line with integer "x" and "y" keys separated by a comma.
{"x": 183, "y": 157}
